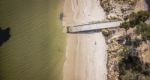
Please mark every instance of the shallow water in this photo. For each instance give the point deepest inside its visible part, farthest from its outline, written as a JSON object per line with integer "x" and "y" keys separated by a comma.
{"x": 35, "y": 50}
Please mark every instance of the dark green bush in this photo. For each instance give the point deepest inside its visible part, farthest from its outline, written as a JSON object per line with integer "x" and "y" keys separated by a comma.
{"x": 132, "y": 68}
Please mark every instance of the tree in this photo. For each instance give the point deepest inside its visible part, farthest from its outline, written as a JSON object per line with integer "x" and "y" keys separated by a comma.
{"x": 138, "y": 20}
{"x": 125, "y": 25}
{"x": 144, "y": 30}
{"x": 135, "y": 19}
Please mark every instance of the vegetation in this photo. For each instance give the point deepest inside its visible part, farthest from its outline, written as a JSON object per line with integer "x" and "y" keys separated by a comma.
{"x": 123, "y": 1}
{"x": 131, "y": 66}
{"x": 107, "y": 32}
{"x": 119, "y": 7}
{"x": 138, "y": 20}
{"x": 144, "y": 30}
{"x": 135, "y": 19}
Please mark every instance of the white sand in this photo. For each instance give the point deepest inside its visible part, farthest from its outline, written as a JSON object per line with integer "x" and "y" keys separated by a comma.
{"x": 82, "y": 11}
{"x": 86, "y": 55}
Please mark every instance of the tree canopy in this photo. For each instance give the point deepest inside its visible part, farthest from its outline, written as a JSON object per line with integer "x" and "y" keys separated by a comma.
{"x": 138, "y": 20}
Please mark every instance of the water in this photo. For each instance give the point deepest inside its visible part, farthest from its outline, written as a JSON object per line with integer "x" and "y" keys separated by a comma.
{"x": 35, "y": 50}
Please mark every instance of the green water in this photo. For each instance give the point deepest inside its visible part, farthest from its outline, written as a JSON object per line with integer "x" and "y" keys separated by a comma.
{"x": 36, "y": 48}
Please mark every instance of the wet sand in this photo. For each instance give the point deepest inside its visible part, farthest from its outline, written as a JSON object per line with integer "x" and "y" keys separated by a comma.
{"x": 86, "y": 55}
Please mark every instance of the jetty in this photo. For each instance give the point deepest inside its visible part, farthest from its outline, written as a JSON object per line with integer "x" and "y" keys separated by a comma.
{"x": 93, "y": 26}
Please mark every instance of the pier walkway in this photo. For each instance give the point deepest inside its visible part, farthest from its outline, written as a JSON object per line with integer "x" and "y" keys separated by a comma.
{"x": 94, "y": 26}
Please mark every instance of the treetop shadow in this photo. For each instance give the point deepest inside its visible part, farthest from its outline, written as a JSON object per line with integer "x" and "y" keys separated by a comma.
{"x": 4, "y": 35}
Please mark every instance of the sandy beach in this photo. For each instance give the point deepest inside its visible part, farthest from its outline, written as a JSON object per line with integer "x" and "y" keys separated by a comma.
{"x": 86, "y": 55}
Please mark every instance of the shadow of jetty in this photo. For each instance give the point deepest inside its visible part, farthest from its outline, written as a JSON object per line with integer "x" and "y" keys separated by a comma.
{"x": 85, "y": 32}
{"x": 4, "y": 35}
{"x": 148, "y": 4}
